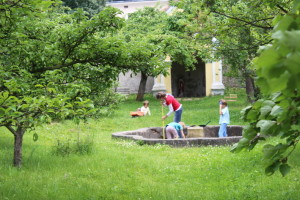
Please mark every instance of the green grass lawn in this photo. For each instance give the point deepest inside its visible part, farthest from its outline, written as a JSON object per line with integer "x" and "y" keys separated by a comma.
{"x": 119, "y": 169}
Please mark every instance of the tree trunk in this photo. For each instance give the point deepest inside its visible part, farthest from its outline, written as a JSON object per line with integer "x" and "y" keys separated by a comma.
{"x": 18, "y": 148}
{"x": 18, "y": 135}
{"x": 250, "y": 89}
{"x": 142, "y": 87}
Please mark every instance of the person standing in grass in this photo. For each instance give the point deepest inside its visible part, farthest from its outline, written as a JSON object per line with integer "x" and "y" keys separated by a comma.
{"x": 224, "y": 118}
{"x": 172, "y": 103}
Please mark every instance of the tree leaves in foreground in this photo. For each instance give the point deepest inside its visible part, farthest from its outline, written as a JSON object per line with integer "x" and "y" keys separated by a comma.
{"x": 278, "y": 113}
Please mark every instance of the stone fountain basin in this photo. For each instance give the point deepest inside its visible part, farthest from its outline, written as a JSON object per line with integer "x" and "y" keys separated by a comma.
{"x": 195, "y": 136}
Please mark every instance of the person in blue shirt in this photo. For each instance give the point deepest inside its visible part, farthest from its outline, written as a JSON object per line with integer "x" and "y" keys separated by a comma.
{"x": 175, "y": 130}
{"x": 224, "y": 118}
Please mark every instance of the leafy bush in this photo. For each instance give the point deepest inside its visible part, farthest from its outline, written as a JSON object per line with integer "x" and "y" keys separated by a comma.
{"x": 140, "y": 142}
{"x": 108, "y": 100}
{"x": 73, "y": 146}
{"x": 62, "y": 148}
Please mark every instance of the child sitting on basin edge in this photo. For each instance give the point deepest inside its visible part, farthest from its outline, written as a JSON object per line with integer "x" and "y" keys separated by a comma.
{"x": 224, "y": 118}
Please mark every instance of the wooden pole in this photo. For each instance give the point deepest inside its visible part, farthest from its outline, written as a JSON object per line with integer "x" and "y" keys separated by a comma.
{"x": 163, "y": 121}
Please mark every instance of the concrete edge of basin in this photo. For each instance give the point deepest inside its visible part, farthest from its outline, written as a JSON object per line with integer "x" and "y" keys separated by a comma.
{"x": 188, "y": 142}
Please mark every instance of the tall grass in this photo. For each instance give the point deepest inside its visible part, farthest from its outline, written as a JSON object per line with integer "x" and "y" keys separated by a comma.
{"x": 119, "y": 169}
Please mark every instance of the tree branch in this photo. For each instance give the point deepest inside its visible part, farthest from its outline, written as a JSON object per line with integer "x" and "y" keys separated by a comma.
{"x": 246, "y": 22}
{"x": 282, "y": 9}
{"x": 59, "y": 66}
{"x": 13, "y": 131}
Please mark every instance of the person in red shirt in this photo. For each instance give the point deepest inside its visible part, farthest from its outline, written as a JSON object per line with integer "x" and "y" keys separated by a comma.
{"x": 173, "y": 104}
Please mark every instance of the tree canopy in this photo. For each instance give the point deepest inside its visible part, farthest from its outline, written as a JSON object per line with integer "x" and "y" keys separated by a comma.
{"x": 153, "y": 31}
{"x": 55, "y": 65}
{"x": 239, "y": 27}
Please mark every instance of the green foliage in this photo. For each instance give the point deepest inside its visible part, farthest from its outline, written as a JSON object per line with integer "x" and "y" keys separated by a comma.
{"x": 140, "y": 30}
{"x": 153, "y": 34}
{"x": 277, "y": 114}
{"x": 74, "y": 143}
{"x": 92, "y": 7}
{"x": 51, "y": 68}
{"x": 51, "y": 71}
{"x": 240, "y": 27}
{"x": 140, "y": 142}
{"x": 156, "y": 30}
{"x": 58, "y": 66}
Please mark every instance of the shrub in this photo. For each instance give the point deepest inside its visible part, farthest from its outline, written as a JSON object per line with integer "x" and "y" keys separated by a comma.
{"x": 73, "y": 146}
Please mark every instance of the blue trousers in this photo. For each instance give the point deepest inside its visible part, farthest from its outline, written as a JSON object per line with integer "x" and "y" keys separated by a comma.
{"x": 177, "y": 115}
{"x": 179, "y": 134}
{"x": 223, "y": 130}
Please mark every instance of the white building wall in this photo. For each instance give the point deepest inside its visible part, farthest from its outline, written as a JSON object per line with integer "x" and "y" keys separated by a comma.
{"x": 129, "y": 83}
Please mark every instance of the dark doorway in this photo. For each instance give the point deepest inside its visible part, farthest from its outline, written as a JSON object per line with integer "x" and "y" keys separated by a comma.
{"x": 188, "y": 83}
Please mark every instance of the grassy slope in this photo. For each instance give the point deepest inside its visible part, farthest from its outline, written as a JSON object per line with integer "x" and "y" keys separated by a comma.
{"x": 124, "y": 170}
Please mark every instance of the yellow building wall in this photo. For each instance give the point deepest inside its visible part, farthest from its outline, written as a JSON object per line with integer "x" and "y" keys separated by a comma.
{"x": 208, "y": 78}
{"x": 168, "y": 82}
{"x": 217, "y": 72}
{"x": 210, "y": 73}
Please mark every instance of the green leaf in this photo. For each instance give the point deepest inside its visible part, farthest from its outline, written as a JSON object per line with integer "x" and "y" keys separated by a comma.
{"x": 284, "y": 169}
{"x": 4, "y": 94}
{"x": 295, "y": 127}
{"x": 35, "y": 137}
{"x": 276, "y": 111}
{"x": 252, "y": 115}
{"x": 283, "y": 24}
{"x": 265, "y": 126}
{"x": 245, "y": 111}
{"x": 268, "y": 103}
{"x": 279, "y": 83}
{"x": 269, "y": 150}
{"x": 249, "y": 132}
{"x": 2, "y": 112}
{"x": 272, "y": 168}
{"x": 257, "y": 104}
{"x": 264, "y": 111}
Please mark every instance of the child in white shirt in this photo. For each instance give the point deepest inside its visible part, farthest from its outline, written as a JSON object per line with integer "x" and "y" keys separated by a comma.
{"x": 145, "y": 108}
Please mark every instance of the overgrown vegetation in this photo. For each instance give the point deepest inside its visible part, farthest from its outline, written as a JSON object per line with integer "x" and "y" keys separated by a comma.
{"x": 73, "y": 143}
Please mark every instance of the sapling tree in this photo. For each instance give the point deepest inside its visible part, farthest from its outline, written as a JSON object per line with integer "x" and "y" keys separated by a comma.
{"x": 277, "y": 114}
{"x": 55, "y": 65}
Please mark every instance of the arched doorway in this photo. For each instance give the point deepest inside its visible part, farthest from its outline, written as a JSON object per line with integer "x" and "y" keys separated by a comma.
{"x": 188, "y": 83}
